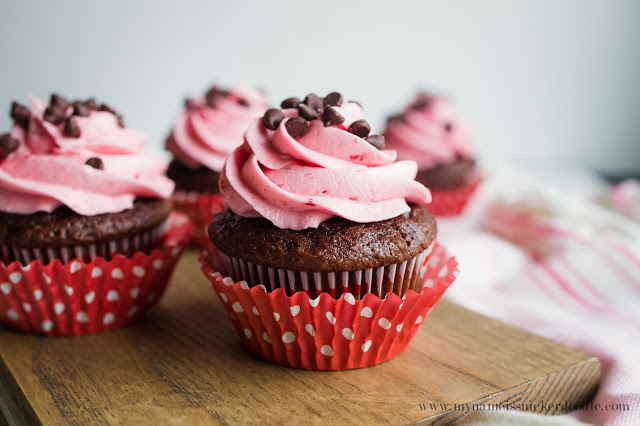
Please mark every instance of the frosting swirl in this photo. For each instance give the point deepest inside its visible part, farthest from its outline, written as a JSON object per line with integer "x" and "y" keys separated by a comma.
{"x": 429, "y": 131}
{"x": 211, "y": 126}
{"x": 49, "y": 169}
{"x": 300, "y": 183}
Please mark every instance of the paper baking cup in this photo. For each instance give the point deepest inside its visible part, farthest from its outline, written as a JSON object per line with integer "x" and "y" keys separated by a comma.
{"x": 200, "y": 208}
{"x": 395, "y": 278}
{"x": 324, "y": 333}
{"x": 452, "y": 201}
{"x": 87, "y": 297}
{"x": 142, "y": 242}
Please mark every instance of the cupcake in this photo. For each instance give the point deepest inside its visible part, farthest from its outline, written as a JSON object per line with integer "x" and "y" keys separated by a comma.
{"x": 431, "y": 132}
{"x": 206, "y": 131}
{"x": 322, "y": 258}
{"x": 87, "y": 238}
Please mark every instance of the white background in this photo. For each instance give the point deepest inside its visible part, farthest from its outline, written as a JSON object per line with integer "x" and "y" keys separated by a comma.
{"x": 543, "y": 83}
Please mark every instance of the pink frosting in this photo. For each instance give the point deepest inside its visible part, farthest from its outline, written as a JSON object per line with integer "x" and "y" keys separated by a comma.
{"x": 204, "y": 136}
{"x": 48, "y": 170}
{"x": 298, "y": 184}
{"x": 422, "y": 134}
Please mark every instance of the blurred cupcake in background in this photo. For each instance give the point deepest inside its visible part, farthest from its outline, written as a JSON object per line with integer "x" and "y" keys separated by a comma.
{"x": 327, "y": 258}
{"x": 431, "y": 132}
{"x": 205, "y": 132}
{"x": 87, "y": 238}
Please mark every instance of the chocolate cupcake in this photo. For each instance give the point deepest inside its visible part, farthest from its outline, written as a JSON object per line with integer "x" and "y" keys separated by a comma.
{"x": 431, "y": 132}
{"x": 318, "y": 208}
{"x": 77, "y": 189}
{"x": 207, "y": 129}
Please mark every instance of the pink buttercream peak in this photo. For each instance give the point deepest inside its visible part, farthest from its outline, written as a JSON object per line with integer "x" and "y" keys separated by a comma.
{"x": 49, "y": 169}
{"x": 324, "y": 171}
{"x": 430, "y": 131}
{"x": 212, "y": 125}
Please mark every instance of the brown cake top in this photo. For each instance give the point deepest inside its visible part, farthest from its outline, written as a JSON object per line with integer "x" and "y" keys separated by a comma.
{"x": 63, "y": 227}
{"x": 336, "y": 245}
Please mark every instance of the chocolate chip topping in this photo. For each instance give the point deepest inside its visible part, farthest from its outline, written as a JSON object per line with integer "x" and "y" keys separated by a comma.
{"x": 91, "y": 104}
{"x": 107, "y": 108}
{"x": 397, "y": 117}
{"x": 314, "y": 101}
{"x": 376, "y": 140}
{"x": 332, "y": 99}
{"x": 54, "y": 114}
{"x": 7, "y": 145}
{"x": 243, "y": 102}
{"x": 360, "y": 128}
{"x": 290, "y": 103}
{"x": 424, "y": 101}
{"x": 297, "y": 127}
{"x": 272, "y": 118}
{"x": 305, "y": 111}
{"x": 20, "y": 114}
{"x": 59, "y": 101}
{"x": 448, "y": 127}
{"x": 214, "y": 93}
{"x": 332, "y": 117}
{"x": 71, "y": 128}
{"x": 95, "y": 162}
{"x": 81, "y": 109}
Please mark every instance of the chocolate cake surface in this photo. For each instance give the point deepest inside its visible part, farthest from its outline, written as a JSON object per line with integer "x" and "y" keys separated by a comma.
{"x": 63, "y": 227}
{"x": 449, "y": 175}
{"x": 336, "y": 245}
{"x": 187, "y": 179}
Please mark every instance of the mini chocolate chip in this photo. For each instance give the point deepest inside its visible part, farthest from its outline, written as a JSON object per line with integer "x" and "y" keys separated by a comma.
{"x": 360, "y": 128}
{"x": 214, "y": 93}
{"x": 107, "y": 108}
{"x": 297, "y": 127}
{"x": 187, "y": 103}
{"x": 91, "y": 104}
{"x": 80, "y": 109}
{"x": 59, "y": 101}
{"x": 332, "y": 99}
{"x": 424, "y": 101}
{"x": 397, "y": 117}
{"x": 95, "y": 162}
{"x": 306, "y": 112}
{"x": 217, "y": 91}
{"x": 243, "y": 102}
{"x": 332, "y": 117}
{"x": 314, "y": 101}
{"x": 54, "y": 114}
{"x": 120, "y": 120}
{"x": 8, "y": 145}
{"x": 272, "y": 118}
{"x": 355, "y": 102}
{"x": 71, "y": 128}
{"x": 20, "y": 114}
{"x": 290, "y": 103}
{"x": 376, "y": 140}
{"x": 448, "y": 127}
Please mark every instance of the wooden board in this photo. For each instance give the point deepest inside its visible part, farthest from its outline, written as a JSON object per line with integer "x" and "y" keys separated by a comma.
{"x": 184, "y": 364}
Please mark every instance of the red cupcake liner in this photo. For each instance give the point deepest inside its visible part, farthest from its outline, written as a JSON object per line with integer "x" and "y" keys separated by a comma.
{"x": 88, "y": 297}
{"x": 200, "y": 208}
{"x": 326, "y": 333}
{"x": 452, "y": 201}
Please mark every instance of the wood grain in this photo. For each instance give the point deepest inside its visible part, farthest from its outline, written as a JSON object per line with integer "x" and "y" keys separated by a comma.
{"x": 184, "y": 364}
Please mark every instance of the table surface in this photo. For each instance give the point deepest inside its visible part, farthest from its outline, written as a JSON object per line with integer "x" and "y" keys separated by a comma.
{"x": 184, "y": 363}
